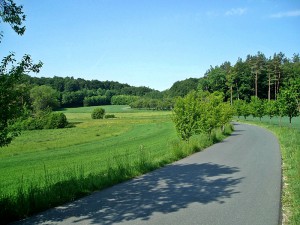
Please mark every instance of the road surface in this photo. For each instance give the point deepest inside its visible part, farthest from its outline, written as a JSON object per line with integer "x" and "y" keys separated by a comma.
{"x": 237, "y": 182}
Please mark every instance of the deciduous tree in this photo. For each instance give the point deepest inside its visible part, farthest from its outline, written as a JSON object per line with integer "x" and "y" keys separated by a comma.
{"x": 11, "y": 72}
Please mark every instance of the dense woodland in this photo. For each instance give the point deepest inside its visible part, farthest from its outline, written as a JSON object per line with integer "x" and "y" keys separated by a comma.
{"x": 257, "y": 75}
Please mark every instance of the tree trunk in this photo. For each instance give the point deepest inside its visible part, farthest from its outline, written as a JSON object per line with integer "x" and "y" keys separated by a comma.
{"x": 231, "y": 95}
{"x": 269, "y": 91}
{"x": 237, "y": 91}
{"x": 278, "y": 83}
{"x": 256, "y": 78}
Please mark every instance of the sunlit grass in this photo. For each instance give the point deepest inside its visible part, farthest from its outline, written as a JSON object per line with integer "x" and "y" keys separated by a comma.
{"x": 42, "y": 169}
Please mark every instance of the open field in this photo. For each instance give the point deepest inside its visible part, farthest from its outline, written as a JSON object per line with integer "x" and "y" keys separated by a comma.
{"x": 284, "y": 122}
{"x": 90, "y": 143}
{"x": 289, "y": 139}
{"x": 44, "y": 168}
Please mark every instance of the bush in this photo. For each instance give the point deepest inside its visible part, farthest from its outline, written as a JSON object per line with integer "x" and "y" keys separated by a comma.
{"x": 98, "y": 113}
{"x": 42, "y": 121}
{"x": 109, "y": 116}
{"x": 56, "y": 120}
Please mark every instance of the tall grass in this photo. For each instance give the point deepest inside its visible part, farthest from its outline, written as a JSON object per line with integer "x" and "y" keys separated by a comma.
{"x": 289, "y": 139}
{"x": 53, "y": 187}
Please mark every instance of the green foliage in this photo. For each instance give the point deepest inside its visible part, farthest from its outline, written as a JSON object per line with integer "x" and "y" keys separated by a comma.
{"x": 73, "y": 99}
{"x": 95, "y": 101}
{"x": 98, "y": 113}
{"x": 216, "y": 81}
{"x": 245, "y": 109}
{"x": 200, "y": 112}
{"x": 257, "y": 107}
{"x": 109, "y": 116}
{"x": 42, "y": 120}
{"x": 237, "y": 105}
{"x": 288, "y": 103}
{"x": 186, "y": 116}
{"x": 182, "y": 88}
{"x": 270, "y": 108}
{"x": 56, "y": 120}
{"x": 226, "y": 113}
{"x": 11, "y": 100}
{"x": 13, "y": 15}
{"x": 154, "y": 104}
{"x": 44, "y": 97}
{"x": 123, "y": 99}
{"x": 256, "y": 75}
{"x": 10, "y": 74}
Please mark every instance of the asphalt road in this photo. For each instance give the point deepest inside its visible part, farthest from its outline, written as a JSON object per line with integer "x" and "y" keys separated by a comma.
{"x": 237, "y": 181}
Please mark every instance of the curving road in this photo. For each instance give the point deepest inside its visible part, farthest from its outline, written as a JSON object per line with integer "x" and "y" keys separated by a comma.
{"x": 237, "y": 181}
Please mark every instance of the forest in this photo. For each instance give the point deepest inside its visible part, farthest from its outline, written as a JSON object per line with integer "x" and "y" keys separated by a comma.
{"x": 257, "y": 76}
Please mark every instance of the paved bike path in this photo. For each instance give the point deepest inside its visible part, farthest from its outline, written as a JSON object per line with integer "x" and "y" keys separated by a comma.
{"x": 237, "y": 182}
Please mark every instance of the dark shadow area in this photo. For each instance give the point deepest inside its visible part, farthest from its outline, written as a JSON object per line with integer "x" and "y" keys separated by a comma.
{"x": 237, "y": 132}
{"x": 73, "y": 124}
{"x": 166, "y": 190}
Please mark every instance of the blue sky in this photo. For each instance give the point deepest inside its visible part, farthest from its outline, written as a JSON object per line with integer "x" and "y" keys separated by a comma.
{"x": 151, "y": 43}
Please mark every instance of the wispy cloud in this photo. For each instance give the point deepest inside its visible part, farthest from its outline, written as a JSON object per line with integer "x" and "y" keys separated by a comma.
{"x": 294, "y": 13}
{"x": 231, "y": 12}
{"x": 236, "y": 12}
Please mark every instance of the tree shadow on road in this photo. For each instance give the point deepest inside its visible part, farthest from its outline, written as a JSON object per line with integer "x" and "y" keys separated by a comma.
{"x": 166, "y": 190}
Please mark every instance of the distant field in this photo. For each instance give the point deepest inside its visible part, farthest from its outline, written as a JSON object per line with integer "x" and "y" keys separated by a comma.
{"x": 89, "y": 144}
{"x": 275, "y": 121}
{"x": 108, "y": 109}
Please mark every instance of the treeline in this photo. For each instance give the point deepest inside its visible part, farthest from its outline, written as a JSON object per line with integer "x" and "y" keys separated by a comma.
{"x": 287, "y": 104}
{"x": 257, "y": 76}
{"x": 79, "y": 92}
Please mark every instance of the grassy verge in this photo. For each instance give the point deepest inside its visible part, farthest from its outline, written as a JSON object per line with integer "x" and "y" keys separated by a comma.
{"x": 43, "y": 169}
{"x": 289, "y": 139}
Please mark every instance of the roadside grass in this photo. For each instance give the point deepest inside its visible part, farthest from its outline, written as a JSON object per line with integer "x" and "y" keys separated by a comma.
{"x": 289, "y": 139}
{"x": 46, "y": 168}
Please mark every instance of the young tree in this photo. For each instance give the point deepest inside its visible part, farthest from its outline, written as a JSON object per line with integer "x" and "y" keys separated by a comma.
{"x": 245, "y": 108}
{"x": 257, "y": 107}
{"x": 270, "y": 108}
{"x": 237, "y": 105}
{"x": 210, "y": 112}
{"x": 186, "y": 116}
{"x": 288, "y": 103}
{"x": 226, "y": 114}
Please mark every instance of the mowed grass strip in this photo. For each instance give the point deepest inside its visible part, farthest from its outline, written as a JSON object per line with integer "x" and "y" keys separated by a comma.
{"x": 90, "y": 142}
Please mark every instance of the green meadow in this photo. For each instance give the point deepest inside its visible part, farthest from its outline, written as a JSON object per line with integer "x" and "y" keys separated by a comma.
{"x": 90, "y": 143}
{"x": 41, "y": 169}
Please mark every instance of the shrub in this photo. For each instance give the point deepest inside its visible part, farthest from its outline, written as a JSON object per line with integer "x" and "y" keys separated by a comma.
{"x": 98, "y": 113}
{"x": 42, "y": 121}
{"x": 56, "y": 120}
{"x": 109, "y": 116}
